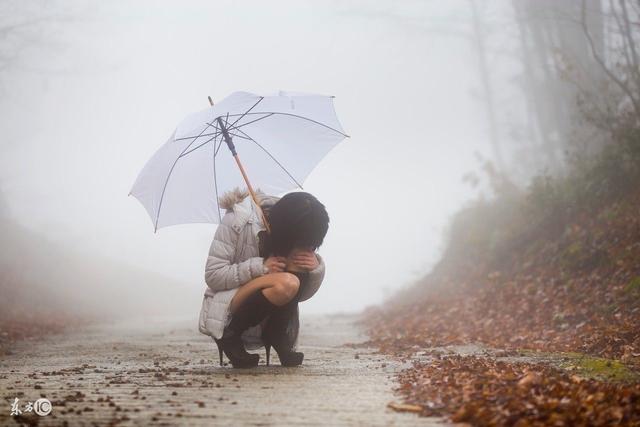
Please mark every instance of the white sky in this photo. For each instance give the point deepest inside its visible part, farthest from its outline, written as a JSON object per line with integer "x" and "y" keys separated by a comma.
{"x": 105, "y": 83}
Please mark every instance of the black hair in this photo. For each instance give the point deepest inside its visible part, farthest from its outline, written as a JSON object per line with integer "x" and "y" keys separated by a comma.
{"x": 297, "y": 220}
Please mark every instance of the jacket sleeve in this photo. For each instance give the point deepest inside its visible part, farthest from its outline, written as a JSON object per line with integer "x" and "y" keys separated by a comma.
{"x": 315, "y": 280}
{"x": 220, "y": 274}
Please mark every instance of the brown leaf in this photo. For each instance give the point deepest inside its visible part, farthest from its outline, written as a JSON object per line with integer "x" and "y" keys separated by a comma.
{"x": 404, "y": 407}
{"x": 531, "y": 379}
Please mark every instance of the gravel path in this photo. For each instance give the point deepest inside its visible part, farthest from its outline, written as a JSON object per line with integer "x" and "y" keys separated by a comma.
{"x": 165, "y": 373}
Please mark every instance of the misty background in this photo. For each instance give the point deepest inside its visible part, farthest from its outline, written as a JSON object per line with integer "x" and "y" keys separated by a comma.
{"x": 430, "y": 92}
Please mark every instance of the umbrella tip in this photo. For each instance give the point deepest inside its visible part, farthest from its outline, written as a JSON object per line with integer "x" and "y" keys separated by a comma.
{"x": 210, "y": 100}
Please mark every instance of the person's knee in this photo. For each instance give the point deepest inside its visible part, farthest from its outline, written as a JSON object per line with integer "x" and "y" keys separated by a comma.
{"x": 286, "y": 286}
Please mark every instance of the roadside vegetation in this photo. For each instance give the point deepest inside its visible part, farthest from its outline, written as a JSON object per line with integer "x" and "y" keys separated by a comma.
{"x": 545, "y": 276}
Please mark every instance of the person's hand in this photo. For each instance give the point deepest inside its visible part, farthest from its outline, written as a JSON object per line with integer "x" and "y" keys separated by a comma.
{"x": 305, "y": 259}
{"x": 275, "y": 264}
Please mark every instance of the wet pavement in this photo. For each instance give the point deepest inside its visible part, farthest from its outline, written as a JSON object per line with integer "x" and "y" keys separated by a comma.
{"x": 163, "y": 372}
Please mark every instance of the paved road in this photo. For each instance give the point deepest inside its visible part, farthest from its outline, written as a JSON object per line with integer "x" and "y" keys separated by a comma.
{"x": 163, "y": 372}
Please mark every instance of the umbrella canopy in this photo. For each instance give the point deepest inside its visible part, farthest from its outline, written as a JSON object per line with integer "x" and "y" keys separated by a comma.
{"x": 280, "y": 139}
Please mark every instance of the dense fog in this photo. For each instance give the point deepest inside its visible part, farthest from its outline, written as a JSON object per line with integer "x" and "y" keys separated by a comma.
{"x": 433, "y": 95}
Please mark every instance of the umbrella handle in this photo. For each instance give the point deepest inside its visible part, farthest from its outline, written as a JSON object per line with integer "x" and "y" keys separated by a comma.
{"x": 232, "y": 148}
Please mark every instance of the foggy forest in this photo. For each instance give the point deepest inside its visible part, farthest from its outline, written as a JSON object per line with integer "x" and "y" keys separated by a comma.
{"x": 430, "y": 215}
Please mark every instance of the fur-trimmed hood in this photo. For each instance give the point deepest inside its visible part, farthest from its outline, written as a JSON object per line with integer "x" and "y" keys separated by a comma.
{"x": 237, "y": 195}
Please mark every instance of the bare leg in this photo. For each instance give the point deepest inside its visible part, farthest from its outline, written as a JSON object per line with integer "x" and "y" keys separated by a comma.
{"x": 278, "y": 288}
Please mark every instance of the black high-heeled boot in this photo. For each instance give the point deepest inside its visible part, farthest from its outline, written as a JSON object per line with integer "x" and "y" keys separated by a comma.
{"x": 252, "y": 311}
{"x": 235, "y": 351}
{"x": 275, "y": 334}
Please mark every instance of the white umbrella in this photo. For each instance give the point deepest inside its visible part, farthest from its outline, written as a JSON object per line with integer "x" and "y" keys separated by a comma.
{"x": 281, "y": 139}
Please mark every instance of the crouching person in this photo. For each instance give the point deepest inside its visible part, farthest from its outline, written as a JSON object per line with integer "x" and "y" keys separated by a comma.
{"x": 256, "y": 279}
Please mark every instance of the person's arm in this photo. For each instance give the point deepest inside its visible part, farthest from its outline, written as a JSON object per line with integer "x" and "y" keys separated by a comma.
{"x": 220, "y": 274}
{"x": 315, "y": 280}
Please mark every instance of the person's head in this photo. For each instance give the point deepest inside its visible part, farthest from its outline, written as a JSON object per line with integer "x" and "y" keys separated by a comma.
{"x": 297, "y": 220}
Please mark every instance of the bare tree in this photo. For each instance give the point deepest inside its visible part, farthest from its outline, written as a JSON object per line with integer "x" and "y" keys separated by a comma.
{"x": 479, "y": 39}
{"x": 553, "y": 46}
{"x": 622, "y": 79}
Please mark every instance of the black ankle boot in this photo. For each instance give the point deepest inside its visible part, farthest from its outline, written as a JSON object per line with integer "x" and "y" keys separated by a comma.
{"x": 275, "y": 334}
{"x": 233, "y": 347}
{"x": 252, "y": 311}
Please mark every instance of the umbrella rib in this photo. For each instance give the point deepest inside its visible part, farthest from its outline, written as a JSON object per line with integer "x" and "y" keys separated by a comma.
{"x": 272, "y": 158}
{"x": 204, "y": 134}
{"x": 238, "y": 136}
{"x": 169, "y": 176}
{"x": 210, "y": 139}
{"x": 218, "y": 149}
{"x": 230, "y": 127}
{"x": 268, "y": 114}
{"x": 292, "y": 115}
{"x": 252, "y": 121}
{"x": 245, "y": 113}
{"x": 215, "y": 135}
{"x": 225, "y": 121}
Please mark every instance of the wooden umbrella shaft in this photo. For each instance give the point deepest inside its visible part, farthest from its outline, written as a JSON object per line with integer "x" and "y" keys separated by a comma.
{"x": 253, "y": 193}
{"x": 232, "y": 148}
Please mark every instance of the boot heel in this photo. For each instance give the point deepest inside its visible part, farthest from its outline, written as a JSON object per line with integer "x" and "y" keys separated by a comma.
{"x": 267, "y": 348}
{"x": 219, "y": 351}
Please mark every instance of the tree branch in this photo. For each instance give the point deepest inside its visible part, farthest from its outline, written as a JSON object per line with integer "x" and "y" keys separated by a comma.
{"x": 622, "y": 85}
{"x": 629, "y": 35}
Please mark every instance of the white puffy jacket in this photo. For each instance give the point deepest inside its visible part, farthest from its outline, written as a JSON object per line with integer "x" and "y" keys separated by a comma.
{"x": 233, "y": 261}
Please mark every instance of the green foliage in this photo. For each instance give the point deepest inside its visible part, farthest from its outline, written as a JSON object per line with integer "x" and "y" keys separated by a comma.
{"x": 546, "y": 200}
{"x": 592, "y": 181}
{"x": 578, "y": 256}
{"x": 598, "y": 368}
{"x": 493, "y": 230}
{"x": 633, "y": 288}
{"x": 586, "y": 366}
